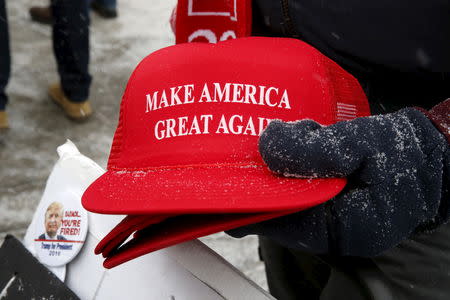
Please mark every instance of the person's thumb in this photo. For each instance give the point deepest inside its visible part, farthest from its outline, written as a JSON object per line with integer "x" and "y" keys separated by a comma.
{"x": 307, "y": 149}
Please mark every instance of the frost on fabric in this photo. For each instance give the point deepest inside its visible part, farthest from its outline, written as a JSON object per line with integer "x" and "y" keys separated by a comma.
{"x": 393, "y": 164}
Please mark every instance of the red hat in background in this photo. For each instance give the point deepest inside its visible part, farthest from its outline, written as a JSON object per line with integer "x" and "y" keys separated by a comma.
{"x": 189, "y": 123}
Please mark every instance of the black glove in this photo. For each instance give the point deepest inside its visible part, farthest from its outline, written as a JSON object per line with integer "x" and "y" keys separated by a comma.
{"x": 397, "y": 167}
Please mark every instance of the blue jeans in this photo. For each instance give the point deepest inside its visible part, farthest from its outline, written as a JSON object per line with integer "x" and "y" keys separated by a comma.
{"x": 70, "y": 45}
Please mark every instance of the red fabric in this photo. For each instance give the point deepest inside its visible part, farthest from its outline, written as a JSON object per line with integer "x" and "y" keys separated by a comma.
{"x": 205, "y": 190}
{"x": 180, "y": 229}
{"x": 211, "y": 21}
{"x": 440, "y": 116}
{"x": 157, "y": 167}
{"x": 162, "y": 168}
{"x": 124, "y": 229}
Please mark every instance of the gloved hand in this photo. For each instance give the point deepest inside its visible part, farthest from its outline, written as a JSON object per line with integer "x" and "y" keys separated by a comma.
{"x": 397, "y": 167}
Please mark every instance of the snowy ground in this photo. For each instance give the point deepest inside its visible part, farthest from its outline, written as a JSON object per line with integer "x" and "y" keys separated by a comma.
{"x": 27, "y": 150}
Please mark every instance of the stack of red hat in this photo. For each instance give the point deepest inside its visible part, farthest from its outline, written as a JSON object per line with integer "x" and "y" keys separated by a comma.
{"x": 184, "y": 162}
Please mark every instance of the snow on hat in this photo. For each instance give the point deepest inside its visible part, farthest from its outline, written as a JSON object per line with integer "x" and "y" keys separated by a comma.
{"x": 189, "y": 123}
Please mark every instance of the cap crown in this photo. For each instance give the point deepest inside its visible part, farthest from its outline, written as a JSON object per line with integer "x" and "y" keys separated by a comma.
{"x": 206, "y": 104}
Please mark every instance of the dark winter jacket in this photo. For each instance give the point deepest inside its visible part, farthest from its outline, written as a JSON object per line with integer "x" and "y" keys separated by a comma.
{"x": 400, "y": 63}
{"x": 385, "y": 44}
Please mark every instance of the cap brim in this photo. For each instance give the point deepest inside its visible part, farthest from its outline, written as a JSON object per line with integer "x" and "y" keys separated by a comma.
{"x": 205, "y": 190}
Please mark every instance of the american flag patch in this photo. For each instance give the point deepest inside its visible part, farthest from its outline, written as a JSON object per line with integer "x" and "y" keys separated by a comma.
{"x": 346, "y": 111}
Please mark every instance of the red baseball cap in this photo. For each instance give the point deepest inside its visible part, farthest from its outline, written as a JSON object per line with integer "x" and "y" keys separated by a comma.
{"x": 189, "y": 123}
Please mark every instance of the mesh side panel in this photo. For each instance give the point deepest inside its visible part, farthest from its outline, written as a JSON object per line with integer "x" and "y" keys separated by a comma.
{"x": 350, "y": 100}
{"x": 116, "y": 147}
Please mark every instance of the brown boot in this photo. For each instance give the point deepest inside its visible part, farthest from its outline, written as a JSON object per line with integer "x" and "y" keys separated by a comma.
{"x": 41, "y": 14}
{"x": 77, "y": 111}
{"x": 3, "y": 120}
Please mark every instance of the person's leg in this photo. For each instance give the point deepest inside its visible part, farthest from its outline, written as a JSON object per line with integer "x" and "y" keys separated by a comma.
{"x": 5, "y": 60}
{"x": 293, "y": 274}
{"x": 71, "y": 47}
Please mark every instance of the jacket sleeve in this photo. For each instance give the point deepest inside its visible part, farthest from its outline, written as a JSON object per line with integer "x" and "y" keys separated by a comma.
{"x": 440, "y": 116}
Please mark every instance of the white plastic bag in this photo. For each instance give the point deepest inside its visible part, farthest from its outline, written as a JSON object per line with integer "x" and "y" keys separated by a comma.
{"x": 187, "y": 271}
